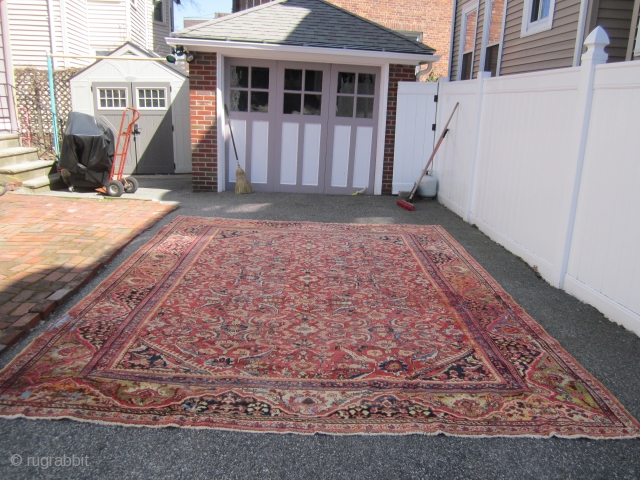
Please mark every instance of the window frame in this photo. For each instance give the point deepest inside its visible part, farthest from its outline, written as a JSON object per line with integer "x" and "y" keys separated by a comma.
{"x": 153, "y": 11}
{"x": 486, "y": 34}
{"x": 250, "y": 88}
{"x": 126, "y": 98}
{"x": 166, "y": 98}
{"x": 466, "y": 10}
{"x": 531, "y": 28}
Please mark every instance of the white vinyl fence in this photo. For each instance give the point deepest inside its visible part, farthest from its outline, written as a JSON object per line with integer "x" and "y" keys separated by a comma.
{"x": 548, "y": 165}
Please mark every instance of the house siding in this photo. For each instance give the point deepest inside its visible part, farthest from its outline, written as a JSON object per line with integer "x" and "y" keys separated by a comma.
{"x": 29, "y": 31}
{"x": 137, "y": 16}
{"x": 553, "y": 48}
{"x": 161, "y": 30}
{"x": 204, "y": 136}
{"x": 456, "y": 38}
{"x": 107, "y": 24}
{"x": 615, "y": 17}
{"x": 77, "y": 31}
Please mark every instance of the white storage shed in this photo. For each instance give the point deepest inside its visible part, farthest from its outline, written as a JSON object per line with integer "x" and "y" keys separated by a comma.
{"x": 159, "y": 91}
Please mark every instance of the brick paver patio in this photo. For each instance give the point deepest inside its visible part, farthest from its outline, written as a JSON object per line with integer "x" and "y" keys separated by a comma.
{"x": 50, "y": 247}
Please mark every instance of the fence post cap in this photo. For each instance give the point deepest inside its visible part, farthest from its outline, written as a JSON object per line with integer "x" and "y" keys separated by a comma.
{"x": 595, "y": 43}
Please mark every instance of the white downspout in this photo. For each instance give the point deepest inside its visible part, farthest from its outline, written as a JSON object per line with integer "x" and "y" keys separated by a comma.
{"x": 52, "y": 32}
{"x": 582, "y": 20}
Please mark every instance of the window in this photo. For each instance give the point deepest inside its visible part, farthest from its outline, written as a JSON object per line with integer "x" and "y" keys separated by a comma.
{"x": 355, "y": 98}
{"x": 493, "y": 40}
{"x": 113, "y": 97}
{"x": 468, "y": 42}
{"x": 537, "y": 16}
{"x": 152, "y": 98}
{"x": 249, "y": 94}
{"x": 158, "y": 11}
{"x": 307, "y": 100}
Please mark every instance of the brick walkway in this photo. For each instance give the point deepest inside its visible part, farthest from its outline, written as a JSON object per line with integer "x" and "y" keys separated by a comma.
{"x": 50, "y": 247}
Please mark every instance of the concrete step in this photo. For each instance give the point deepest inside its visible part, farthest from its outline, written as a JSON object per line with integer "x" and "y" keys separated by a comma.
{"x": 28, "y": 170}
{"x": 16, "y": 155}
{"x": 44, "y": 183}
{"x": 8, "y": 140}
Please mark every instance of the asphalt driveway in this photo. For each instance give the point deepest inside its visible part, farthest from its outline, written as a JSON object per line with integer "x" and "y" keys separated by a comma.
{"x": 606, "y": 350}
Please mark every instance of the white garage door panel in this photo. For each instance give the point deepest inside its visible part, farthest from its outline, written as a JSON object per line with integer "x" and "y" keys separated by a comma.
{"x": 259, "y": 152}
{"x": 239, "y": 128}
{"x": 340, "y": 166}
{"x": 289, "y": 158}
{"x": 362, "y": 161}
{"x": 311, "y": 154}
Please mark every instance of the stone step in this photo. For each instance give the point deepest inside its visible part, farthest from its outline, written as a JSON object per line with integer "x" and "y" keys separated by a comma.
{"x": 28, "y": 170}
{"x": 8, "y": 140}
{"x": 16, "y": 155}
{"x": 44, "y": 183}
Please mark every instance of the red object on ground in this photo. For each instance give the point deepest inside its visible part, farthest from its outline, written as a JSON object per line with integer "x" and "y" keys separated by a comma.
{"x": 406, "y": 205}
{"x": 307, "y": 327}
{"x": 122, "y": 143}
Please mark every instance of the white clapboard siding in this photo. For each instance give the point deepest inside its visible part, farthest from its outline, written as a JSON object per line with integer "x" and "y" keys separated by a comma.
{"x": 77, "y": 31}
{"x": 452, "y": 165}
{"x": 29, "y": 30}
{"x": 137, "y": 15}
{"x": 604, "y": 265}
{"x": 107, "y": 24}
{"x": 416, "y": 113}
{"x": 161, "y": 30}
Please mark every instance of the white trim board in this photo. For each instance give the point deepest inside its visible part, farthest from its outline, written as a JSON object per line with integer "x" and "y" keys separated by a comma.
{"x": 611, "y": 309}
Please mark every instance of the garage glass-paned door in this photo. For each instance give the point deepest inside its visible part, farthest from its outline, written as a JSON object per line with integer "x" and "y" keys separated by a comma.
{"x": 301, "y": 127}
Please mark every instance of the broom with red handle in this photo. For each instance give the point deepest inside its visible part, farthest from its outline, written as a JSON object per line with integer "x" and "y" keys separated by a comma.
{"x": 408, "y": 203}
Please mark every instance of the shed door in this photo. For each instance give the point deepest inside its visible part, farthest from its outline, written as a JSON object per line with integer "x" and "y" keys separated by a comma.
{"x": 152, "y": 150}
{"x": 353, "y": 125}
{"x": 301, "y": 128}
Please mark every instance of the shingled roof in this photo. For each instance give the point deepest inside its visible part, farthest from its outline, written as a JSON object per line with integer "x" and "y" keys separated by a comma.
{"x": 313, "y": 23}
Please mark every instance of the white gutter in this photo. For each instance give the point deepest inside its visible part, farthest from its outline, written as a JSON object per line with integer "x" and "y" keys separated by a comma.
{"x": 301, "y": 53}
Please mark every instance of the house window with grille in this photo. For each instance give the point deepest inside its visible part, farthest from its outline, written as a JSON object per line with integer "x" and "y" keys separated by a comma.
{"x": 152, "y": 98}
{"x": 158, "y": 11}
{"x": 359, "y": 94}
{"x": 303, "y": 92}
{"x": 468, "y": 42}
{"x": 113, "y": 97}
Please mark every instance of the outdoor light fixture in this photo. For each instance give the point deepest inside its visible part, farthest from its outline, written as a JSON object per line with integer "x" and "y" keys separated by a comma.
{"x": 190, "y": 57}
{"x": 171, "y": 58}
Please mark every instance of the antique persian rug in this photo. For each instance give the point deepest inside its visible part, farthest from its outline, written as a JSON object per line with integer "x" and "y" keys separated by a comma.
{"x": 307, "y": 327}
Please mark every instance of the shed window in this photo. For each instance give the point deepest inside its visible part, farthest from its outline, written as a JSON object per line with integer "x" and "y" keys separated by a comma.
{"x": 362, "y": 93}
{"x": 113, "y": 97}
{"x": 537, "y": 16}
{"x": 468, "y": 42}
{"x": 152, "y": 98}
{"x": 249, "y": 89}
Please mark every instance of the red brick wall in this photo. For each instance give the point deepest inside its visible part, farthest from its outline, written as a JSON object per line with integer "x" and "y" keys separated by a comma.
{"x": 431, "y": 17}
{"x": 397, "y": 73}
{"x": 204, "y": 140}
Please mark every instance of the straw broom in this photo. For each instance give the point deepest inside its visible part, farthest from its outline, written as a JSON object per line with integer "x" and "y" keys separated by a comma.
{"x": 242, "y": 184}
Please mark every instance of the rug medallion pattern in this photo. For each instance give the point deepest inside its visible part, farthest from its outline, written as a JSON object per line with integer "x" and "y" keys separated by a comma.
{"x": 305, "y": 327}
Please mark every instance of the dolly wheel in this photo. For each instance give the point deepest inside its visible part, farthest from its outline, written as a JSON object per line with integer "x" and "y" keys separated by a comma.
{"x": 114, "y": 188}
{"x": 130, "y": 185}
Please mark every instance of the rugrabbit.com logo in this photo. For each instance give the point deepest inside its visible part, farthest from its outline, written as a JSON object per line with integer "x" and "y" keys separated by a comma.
{"x": 46, "y": 461}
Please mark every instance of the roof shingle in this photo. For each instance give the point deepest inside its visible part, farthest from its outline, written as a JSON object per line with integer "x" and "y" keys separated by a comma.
{"x": 313, "y": 23}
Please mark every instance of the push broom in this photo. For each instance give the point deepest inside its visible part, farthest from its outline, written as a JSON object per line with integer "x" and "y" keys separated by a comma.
{"x": 408, "y": 203}
{"x": 242, "y": 184}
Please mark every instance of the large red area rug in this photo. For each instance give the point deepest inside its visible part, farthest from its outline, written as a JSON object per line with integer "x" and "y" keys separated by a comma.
{"x": 308, "y": 327}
